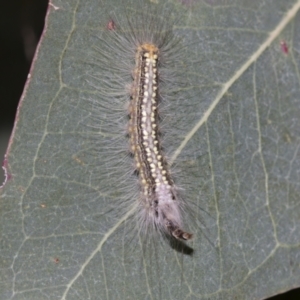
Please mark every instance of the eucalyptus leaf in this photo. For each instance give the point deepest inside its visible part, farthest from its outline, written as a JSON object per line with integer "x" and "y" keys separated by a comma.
{"x": 240, "y": 149}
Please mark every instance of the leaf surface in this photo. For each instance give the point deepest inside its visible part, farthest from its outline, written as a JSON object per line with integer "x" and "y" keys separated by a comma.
{"x": 240, "y": 150}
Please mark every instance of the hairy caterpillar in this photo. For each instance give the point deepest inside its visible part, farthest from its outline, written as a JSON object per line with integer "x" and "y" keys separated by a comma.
{"x": 140, "y": 58}
{"x": 159, "y": 205}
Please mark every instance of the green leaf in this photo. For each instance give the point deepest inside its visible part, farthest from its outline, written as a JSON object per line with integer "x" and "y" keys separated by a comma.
{"x": 239, "y": 150}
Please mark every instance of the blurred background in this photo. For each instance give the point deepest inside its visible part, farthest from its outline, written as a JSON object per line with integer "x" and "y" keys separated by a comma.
{"x": 21, "y": 25}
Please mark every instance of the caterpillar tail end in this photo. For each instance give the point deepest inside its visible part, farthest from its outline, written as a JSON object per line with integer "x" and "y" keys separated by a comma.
{"x": 178, "y": 233}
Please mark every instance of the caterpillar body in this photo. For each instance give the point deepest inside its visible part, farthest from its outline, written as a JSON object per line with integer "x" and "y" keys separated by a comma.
{"x": 136, "y": 73}
{"x": 159, "y": 204}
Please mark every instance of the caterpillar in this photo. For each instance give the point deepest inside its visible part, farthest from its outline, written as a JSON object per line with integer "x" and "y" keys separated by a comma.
{"x": 159, "y": 205}
{"x": 138, "y": 74}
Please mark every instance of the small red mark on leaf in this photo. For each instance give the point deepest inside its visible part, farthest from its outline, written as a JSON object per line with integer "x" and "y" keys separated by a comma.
{"x": 56, "y": 260}
{"x": 4, "y": 163}
{"x": 21, "y": 189}
{"x": 111, "y": 25}
{"x": 284, "y": 47}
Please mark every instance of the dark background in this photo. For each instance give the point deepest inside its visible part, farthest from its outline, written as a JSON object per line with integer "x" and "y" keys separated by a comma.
{"x": 21, "y": 25}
